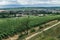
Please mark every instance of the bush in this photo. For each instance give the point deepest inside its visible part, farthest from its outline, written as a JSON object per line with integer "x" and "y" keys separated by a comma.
{"x": 32, "y": 30}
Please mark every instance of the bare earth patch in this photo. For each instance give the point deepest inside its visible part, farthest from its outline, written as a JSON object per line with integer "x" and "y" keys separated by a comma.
{"x": 15, "y": 37}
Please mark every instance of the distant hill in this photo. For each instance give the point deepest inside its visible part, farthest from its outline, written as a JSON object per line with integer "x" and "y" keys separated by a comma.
{"x": 19, "y": 7}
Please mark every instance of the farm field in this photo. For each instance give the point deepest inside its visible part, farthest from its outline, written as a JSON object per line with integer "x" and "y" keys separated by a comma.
{"x": 12, "y": 26}
{"x": 51, "y": 34}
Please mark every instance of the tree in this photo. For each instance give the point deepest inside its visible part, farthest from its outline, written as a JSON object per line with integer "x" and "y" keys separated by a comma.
{"x": 4, "y": 14}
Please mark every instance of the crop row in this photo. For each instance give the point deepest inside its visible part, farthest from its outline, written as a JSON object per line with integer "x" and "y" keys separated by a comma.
{"x": 11, "y": 26}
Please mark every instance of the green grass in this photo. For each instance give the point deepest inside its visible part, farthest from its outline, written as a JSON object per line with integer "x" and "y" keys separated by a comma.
{"x": 51, "y": 34}
{"x": 11, "y": 26}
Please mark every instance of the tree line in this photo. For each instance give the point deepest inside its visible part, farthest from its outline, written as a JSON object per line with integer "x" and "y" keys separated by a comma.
{"x": 4, "y": 14}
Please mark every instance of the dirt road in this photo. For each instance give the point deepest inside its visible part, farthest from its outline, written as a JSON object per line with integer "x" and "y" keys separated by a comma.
{"x": 41, "y": 31}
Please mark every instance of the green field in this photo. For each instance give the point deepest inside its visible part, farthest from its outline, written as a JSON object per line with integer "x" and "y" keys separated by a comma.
{"x": 51, "y": 34}
{"x": 11, "y": 26}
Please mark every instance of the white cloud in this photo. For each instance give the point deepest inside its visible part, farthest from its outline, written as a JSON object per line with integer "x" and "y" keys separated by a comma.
{"x": 29, "y": 2}
{"x": 3, "y": 3}
{"x": 55, "y": 2}
{"x": 6, "y": 2}
{"x": 25, "y": 2}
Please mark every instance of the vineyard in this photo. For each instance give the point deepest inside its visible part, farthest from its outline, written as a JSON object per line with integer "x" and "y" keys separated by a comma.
{"x": 51, "y": 34}
{"x": 12, "y": 26}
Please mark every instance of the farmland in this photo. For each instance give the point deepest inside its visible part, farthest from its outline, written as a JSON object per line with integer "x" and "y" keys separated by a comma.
{"x": 12, "y": 26}
{"x": 51, "y": 34}
{"x": 29, "y": 20}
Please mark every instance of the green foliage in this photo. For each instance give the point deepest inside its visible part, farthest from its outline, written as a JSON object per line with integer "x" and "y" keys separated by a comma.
{"x": 32, "y": 30}
{"x": 11, "y": 26}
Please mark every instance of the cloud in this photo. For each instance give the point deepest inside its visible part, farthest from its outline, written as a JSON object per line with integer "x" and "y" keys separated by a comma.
{"x": 6, "y": 2}
{"x": 31, "y": 2}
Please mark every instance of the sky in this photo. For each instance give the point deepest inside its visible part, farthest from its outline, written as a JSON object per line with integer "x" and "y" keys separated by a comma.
{"x": 31, "y": 3}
